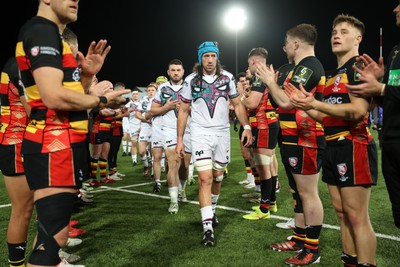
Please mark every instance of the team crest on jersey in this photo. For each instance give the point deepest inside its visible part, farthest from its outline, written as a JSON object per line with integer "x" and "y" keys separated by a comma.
{"x": 302, "y": 75}
{"x": 336, "y": 83}
{"x": 35, "y": 51}
{"x": 293, "y": 161}
{"x": 210, "y": 93}
{"x": 76, "y": 75}
{"x": 342, "y": 169}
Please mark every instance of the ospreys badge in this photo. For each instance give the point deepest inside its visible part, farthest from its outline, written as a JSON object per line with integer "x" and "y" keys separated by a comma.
{"x": 342, "y": 169}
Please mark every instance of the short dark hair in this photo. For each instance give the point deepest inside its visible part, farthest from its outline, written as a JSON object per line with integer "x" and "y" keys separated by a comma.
{"x": 258, "y": 51}
{"x": 119, "y": 85}
{"x": 305, "y": 32}
{"x": 358, "y": 24}
{"x": 240, "y": 75}
{"x": 175, "y": 62}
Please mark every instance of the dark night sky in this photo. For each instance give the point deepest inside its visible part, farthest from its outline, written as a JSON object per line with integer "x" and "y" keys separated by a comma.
{"x": 145, "y": 37}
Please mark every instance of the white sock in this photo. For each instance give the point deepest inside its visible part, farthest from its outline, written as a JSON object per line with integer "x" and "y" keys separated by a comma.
{"x": 124, "y": 145}
{"x": 251, "y": 180}
{"x": 206, "y": 217}
{"x": 214, "y": 202}
{"x": 173, "y": 193}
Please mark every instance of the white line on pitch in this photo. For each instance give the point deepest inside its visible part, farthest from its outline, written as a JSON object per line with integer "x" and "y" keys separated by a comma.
{"x": 123, "y": 189}
{"x": 329, "y": 226}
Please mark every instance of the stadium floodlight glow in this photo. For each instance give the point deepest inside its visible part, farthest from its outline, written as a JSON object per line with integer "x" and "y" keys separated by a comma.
{"x": 235, "y": 19}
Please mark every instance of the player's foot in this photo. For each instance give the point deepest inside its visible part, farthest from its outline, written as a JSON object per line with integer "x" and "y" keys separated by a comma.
{"x": 208, "y": 238}
{"x": 173, "y": 208}
{"x": 257, "y": 215}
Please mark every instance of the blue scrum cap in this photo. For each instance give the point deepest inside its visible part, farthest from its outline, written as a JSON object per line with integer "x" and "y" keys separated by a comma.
{"x": 207, "y": 47}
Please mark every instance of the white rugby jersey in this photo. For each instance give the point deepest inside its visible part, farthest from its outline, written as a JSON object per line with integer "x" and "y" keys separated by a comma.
{"x": 144, "y": 107}
{"x": 133, "y": 120}
{"x": 209, "y": 98}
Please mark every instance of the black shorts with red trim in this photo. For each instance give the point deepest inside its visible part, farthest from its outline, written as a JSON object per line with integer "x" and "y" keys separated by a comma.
{"x": 64, "y": 168}
{"x": 348, "y": 163}
{"x": 302, "y": 160}
{"x": 265, "y": 138}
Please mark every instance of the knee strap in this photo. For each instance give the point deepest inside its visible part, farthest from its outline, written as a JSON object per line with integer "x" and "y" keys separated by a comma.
{"x": 54, "y": 213}
{"x": 203, "y": 165}
{"x": 219, "y": 167}
{"x": 261, "y": 159}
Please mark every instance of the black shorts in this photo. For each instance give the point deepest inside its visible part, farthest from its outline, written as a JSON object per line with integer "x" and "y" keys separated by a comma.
{"x": 101, "y": 137}
{"x": 302, "y": 160}
{"x": 348, "y": 163}
{"x": 64, "y": 168}
{"x": 265, "y": 138}
{"x": 11, "y": 160}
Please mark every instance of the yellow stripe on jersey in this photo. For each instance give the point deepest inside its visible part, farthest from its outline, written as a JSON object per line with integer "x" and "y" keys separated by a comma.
{"x": 19, "y": 50}
{"x": 32, "y": 93}
{"x": 80, "y": 126}
{"x": 5, "y": 79}
{"x": 288, "y": 125}
{"x": 4, "y": 127}
{"x": 74, "y": 86}
{"x": 5, "y": 110}
{"x": 337, "y": 136}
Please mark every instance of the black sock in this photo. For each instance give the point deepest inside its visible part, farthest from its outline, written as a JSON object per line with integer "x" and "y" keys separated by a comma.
{"x": 16, "y": 254}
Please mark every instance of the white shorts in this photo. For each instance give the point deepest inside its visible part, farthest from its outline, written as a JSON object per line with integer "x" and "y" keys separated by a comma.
{"x": 171, "y": 138}
{"x": 134, "y": 130}
{"x": 145, "y": 133}
{"x": 216, "y": 147}
{"x": 157, "y": 137}
{"x": 125, "y": 125}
